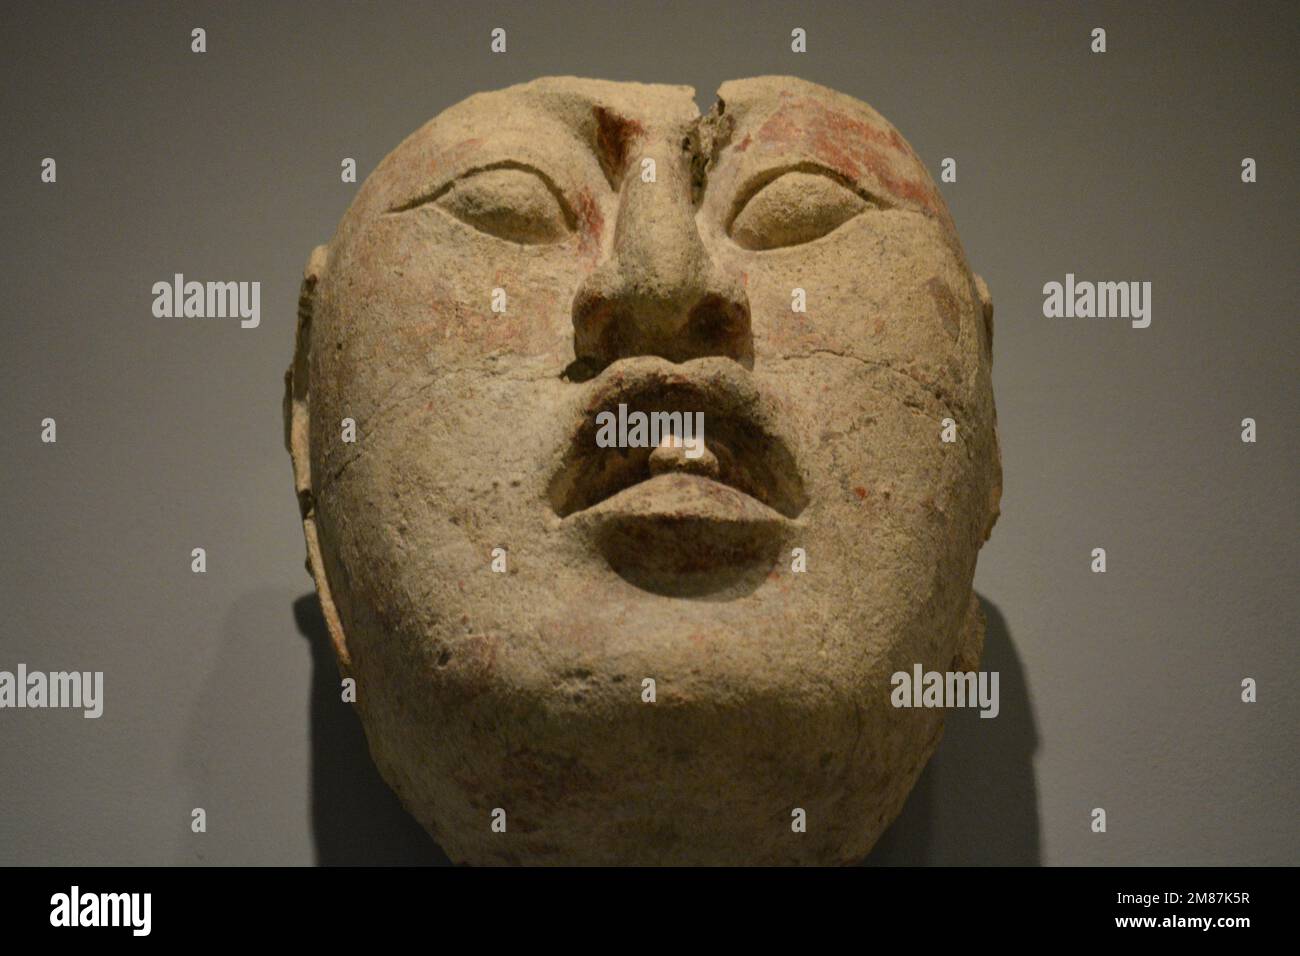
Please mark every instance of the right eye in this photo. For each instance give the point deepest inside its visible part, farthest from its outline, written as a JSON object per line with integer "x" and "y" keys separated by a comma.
{"x": 510, "y": 203}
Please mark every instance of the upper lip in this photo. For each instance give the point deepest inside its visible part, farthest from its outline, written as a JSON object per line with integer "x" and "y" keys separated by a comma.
{"x": 740, "y": 428}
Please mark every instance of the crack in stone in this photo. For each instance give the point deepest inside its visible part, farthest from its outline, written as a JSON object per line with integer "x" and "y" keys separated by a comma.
{"x": 708, "y": 136}
{"x": 944, "y": 402}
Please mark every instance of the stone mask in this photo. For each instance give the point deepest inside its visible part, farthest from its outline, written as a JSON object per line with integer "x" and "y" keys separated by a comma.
{"x": 571, "y": 653}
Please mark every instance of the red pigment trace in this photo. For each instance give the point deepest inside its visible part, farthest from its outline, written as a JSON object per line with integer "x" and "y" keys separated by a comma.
{"x": 850, "y": 147}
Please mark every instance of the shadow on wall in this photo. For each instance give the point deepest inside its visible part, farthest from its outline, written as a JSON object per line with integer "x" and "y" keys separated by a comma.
{"x": 976, "y": 802}
{"x": 356, "y": 819}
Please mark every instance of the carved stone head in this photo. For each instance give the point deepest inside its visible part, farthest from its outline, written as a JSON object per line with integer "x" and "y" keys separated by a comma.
{"x": 570, "y": 617}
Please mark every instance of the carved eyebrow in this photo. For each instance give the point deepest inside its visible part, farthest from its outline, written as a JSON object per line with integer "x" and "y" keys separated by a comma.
{"x": 864, "y": 148}
{"x": 440, "y": 190}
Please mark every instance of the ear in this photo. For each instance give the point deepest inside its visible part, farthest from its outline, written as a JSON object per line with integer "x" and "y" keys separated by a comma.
{"x": 970, "y": 642}
{"x": 297, "y": 438}
{"x": 986, "y": 304}
{"x": 995, "y": 488}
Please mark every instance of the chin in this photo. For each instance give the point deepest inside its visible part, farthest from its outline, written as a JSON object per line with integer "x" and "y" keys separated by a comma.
{"x": 593, "y": 774}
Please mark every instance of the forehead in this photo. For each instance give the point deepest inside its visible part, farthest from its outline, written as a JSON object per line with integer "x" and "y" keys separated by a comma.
{"x": 577, "y": 129}
{"x": 571, "y": 128}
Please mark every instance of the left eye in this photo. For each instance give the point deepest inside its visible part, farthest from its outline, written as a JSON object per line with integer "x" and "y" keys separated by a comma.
{"x": 794, "y": 208}
{"x": 509, "y": 203}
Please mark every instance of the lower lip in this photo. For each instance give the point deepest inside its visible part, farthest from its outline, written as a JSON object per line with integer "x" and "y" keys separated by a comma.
{"x": 685, "y": 535}
{"x": 682, "y": 497}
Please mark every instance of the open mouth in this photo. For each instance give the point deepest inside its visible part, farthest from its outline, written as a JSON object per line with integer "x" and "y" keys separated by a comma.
{"x": 698, "y": 502}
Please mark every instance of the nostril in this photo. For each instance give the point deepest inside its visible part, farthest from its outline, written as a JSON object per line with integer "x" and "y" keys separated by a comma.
{"x": 720, "y": 326}
{"x": 596, "y": 334}
{"x": 615, "y": 317}
{"x": 583, "y": 369}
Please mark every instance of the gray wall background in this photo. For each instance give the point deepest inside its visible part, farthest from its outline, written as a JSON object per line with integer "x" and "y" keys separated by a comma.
{"x": 1119, "y": 690}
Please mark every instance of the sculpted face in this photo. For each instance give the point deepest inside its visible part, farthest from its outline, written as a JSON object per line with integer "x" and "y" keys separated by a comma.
{"x": 783, "y": 269}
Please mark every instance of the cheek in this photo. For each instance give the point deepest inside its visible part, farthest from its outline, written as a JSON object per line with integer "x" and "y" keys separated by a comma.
{"x": 421, "y": 294}
{"x": 885, "y": 286}
{"x": 891, "y": 502}
{"x": 442, "y": 476}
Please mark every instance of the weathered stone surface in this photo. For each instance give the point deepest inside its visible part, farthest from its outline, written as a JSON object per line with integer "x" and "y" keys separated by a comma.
{"x": 476, "y": 430}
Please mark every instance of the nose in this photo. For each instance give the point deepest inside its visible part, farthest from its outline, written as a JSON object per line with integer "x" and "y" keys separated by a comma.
{"x": 659, "y": 292}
